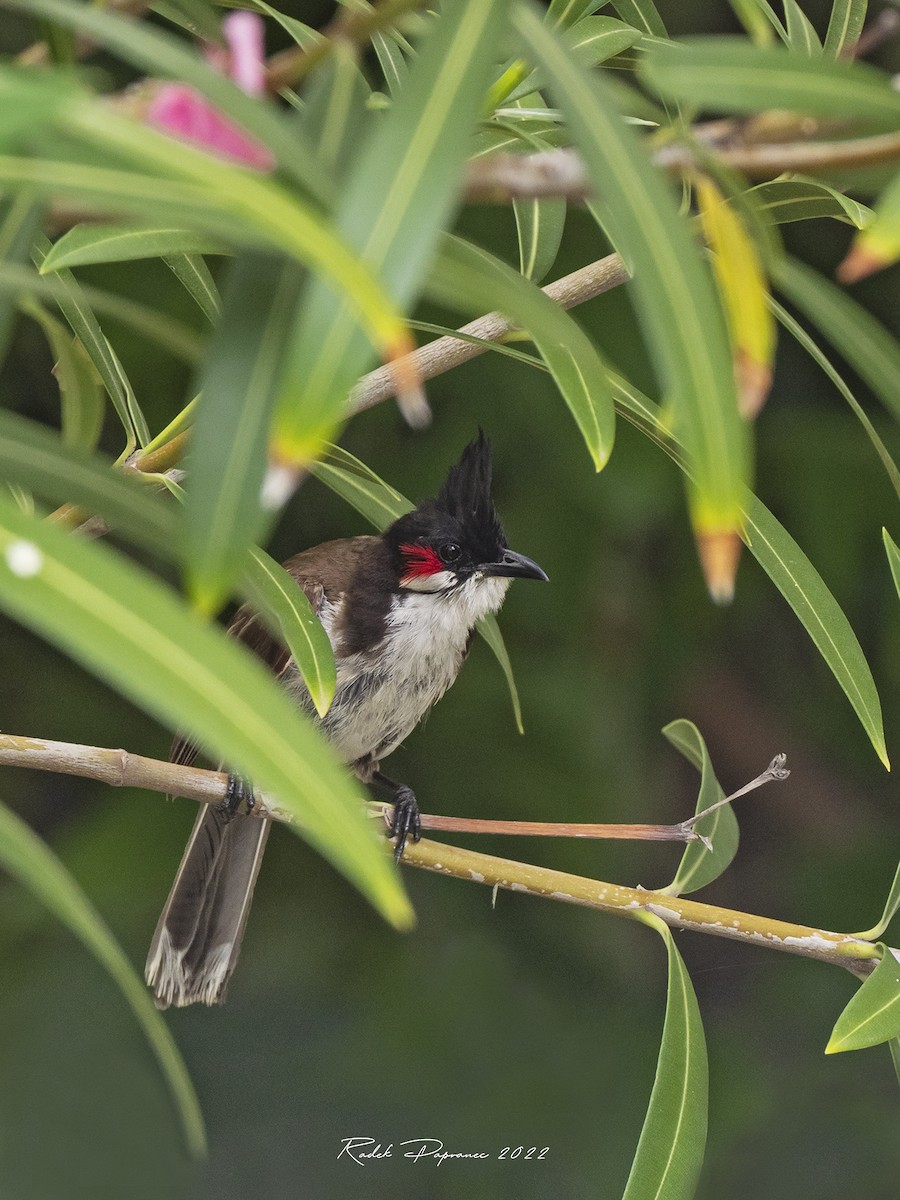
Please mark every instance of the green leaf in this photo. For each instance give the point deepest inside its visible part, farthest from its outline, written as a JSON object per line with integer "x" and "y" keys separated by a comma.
{"x": 699, "y": 866}
{"x": 286, "y": 610}
{"x": 161, "y": 54}
{"x": 731, "y": 75}
{"x": 390, "y": 58}
{"x": 798, "y": 198}
{"x": 803, "y": 588}
{"x": 670, "y": 1151}
{"x": 758, "y": 19}
{"x": 860, "y": 339}
{"x": 393, "y": 206}
{"x": 466, "y": 276}
{"x": 893, "y": 555}
{"x": 844, "y": 25}
{"x": 238, "y": 389}
{"x": 80, "y": 390}
{"x": 789, "y": 569}
{"x": 20, "y": 222}
{"x": 822, "y": 361}
{"x": 137, "y": 635}
{"x": 878, "y": 245}
{"x": 336, "y": 117}
{"x": 894, "y": 1046}
{"x": 123, "y": 243}
{"x": 873, "y": 1015}
{"x": 802, "y": 37}
{"x": 539, "y": 225}
{"x": 643, "y": 15}
{"x": 30, "y": 99}
{"x": 490, "y": 631}
{"x": 193, "y": 274}
{"x": 25, "y": 857}
{"x": 892, "y": 903}
{"x": 673, "y": 289}
{"x": 76, "y": 308}
{"x": 381, "y": 505}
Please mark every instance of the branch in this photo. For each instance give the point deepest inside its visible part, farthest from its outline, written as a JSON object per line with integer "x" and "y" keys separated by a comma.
{"x": 120, "y": 768}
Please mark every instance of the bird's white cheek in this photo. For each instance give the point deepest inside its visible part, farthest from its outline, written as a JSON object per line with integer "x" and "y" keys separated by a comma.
{"x": 428, "y": 583}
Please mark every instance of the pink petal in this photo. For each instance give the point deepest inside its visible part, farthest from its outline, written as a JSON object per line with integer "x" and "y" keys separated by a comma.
{"x": 245, "y": 35}
{"x": 181, "y": 111}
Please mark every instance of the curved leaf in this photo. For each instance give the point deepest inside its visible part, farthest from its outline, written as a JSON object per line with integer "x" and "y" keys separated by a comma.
{"x": 394, "y": 203}
{"x": 122, "y": 243}
{"x": 29, "y": 860}
{"x": 133, "y": 632}
{"x": 798, "y": 198}
{"x": 80, "y": 391}
{"x": 673, "y": 288}
{"x": 731, "y": 75}
{"x": 670, "y": 1151}
{"x": 700, "y": 866}
{"x": 844, "y": 25}
{"x": 892, "y": 903}
{"x": 873, "y": 1015}
{"x": 193, "y": 274}
{"x": 465, "y": 276}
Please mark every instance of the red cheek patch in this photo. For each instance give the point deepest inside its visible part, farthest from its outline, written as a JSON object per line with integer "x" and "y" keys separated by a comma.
{"x": 421, "y": 560}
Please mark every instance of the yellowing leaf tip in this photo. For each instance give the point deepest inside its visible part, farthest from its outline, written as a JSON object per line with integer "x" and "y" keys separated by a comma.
{"x": 719, "y": 555}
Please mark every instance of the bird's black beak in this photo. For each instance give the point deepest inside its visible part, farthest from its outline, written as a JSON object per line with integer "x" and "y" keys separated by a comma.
{"x": 515, "y": 566}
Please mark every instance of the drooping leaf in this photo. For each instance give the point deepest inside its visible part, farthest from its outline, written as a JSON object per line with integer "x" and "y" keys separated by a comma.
{"x": 727, "y": 74}
{"x": 799, "y": 198}
{"x": 467, "y": 276}
{"x": 26, "y": 858}
{"x": 194, "y": 275}
{"x": 122, "y": 243}
{"x": 674, "y": 293}
{"x": 393, "y": 206}
{"x": 877, "y": 245}
{"x": 699, "y": 866}
{"x": 238, "y": 387}
{"x": 490, "y": 631}
{"x": 137, "y": 635}
{"x": 861, "y": 340}
{"x": 81, "y": 393}
{"x": 672, "y": 1143}
{"x": 873, "y": 1015}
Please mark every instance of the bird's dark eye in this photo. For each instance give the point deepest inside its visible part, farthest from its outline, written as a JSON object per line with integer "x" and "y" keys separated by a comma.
{"x": 449, "y": 552}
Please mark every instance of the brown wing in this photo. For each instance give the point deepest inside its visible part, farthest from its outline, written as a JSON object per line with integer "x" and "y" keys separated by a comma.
{"x": 337, "y": 562}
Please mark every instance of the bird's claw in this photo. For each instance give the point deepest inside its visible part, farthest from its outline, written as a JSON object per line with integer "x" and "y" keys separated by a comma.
{"x": 238, "y": 798}
{"x": 405, "y": 820}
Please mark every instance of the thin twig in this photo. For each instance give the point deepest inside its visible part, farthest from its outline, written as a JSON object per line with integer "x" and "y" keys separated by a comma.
{"x": 119, "y": 768}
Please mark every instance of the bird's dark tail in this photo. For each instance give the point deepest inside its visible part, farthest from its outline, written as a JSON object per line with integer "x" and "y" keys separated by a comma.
{"x": 198, "y": 938}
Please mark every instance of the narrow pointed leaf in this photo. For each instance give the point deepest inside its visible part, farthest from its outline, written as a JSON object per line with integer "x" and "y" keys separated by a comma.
{"x": 672, "y": 1143}
{"x": 791, "y": 572}
{"x": 20, "y": 222}
{"x": 539, "y": 226}
{"x": 194, "y": 275}
{"x": 798, "y": 198}
{"x": 393, "y": 206}
{"x": 802, "y": 37}
{"x": 468, "y": 277}
{"x": 136, "y": 634}
{"x": 744, "y": 292}
{"x": 873, "y": 1015}
{"x": 892, "y": 903}
{"x": 673, "y": 288}
{"x": 730, "y": 75}
{"x": 844, "y": 25}
{"x": 122, "y": 243}
{"x": 643, "y": 15}
{"x": 239, "y": 387}
{"x": 804, "y": 589}
{"x": 24, "y": 856}
{"x": 699, "y": 866}
{"x": 855, "y": 334}
{"x": 81, "y": 393}
{"x": 336, "y": 117}
{"x": 878, "y": 245}
{"x": 283, "y": 605}
{"x": 381, "y": 504}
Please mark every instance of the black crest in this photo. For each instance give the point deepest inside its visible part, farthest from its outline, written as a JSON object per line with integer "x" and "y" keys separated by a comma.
{"x": 462, "y": 511}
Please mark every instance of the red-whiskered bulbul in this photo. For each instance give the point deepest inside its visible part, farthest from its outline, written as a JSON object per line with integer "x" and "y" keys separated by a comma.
{"x": 400, "y": 612}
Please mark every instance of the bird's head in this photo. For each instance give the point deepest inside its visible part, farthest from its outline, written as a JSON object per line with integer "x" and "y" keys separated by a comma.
{"x": 456, "y": 539}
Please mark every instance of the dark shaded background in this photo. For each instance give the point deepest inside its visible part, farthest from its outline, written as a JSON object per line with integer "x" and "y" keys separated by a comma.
{"x": 530, "y": 1024}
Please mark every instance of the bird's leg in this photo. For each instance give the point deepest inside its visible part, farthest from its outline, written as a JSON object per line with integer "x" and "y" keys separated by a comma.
{"x": 238, "y": 798}
{"x": 406, "y": 813}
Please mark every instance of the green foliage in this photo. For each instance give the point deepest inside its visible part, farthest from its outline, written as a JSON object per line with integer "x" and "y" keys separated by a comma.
{"x": 336, "y": 253}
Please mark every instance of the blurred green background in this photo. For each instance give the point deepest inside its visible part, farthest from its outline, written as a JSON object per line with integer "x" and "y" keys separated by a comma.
{"x": 527, "y": 1024}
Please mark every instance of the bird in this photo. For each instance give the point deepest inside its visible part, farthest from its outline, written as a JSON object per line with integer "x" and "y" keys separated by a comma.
{"x": 400, "y": 611}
